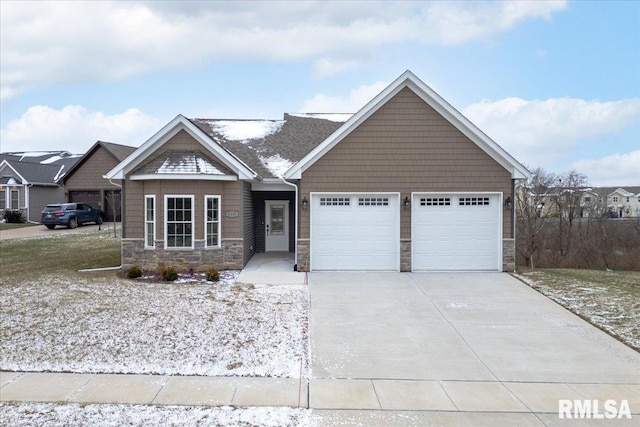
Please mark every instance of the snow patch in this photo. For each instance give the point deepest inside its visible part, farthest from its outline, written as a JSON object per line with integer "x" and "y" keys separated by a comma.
{"x": 243, "y": 130}
{"x": 50, "y": 160}
{"x": 276, "y": 164}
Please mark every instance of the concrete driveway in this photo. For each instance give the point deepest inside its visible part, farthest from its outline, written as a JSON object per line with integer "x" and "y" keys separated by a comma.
{"x": 456, "y": 342}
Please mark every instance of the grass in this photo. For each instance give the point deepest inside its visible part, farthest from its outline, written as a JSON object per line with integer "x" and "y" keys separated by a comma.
{"x": 608, "y": 299}
{"x": 11, "y": 226}
{"x": 66, "y": 254}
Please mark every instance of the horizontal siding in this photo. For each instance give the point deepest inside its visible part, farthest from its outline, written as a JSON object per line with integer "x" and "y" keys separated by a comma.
{"x": 88, "y": 176}
{"x": 405, "y": 146}
{"x": 231, "y": 193}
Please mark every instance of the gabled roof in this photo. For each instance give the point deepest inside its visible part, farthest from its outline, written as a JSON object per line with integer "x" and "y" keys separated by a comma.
{"x": 34, "y": 173}
{"x": 428, "y": 95}
{"x": 608, "y": 191}
{"x": 181, "y": 123}
{"x": 117, "y": 151}
{"x": 622, "y": 192}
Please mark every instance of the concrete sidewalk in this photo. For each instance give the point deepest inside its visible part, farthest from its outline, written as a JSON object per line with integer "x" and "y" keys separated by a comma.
{"x": 322, "y": 394}
{"x": 271, "y": 268}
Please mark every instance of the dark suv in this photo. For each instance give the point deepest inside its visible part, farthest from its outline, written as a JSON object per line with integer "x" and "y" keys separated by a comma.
{"x": 69, "y": 214}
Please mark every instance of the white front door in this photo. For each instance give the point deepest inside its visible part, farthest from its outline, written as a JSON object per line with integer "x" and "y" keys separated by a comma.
{"x": 276, "y": 225}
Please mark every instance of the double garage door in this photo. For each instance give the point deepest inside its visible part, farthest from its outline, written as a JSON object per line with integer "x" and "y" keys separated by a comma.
{"x": 448, "y": 231}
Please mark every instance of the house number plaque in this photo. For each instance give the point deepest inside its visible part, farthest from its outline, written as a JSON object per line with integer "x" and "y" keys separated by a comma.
{"x": 232, "y": 214}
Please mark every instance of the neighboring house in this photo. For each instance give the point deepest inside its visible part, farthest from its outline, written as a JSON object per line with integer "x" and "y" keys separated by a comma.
{"x": 28, "y": 187}
{"x": 623, "y": 202}
{"x": 405, "y": 184}
{"x": 84, "y": 182}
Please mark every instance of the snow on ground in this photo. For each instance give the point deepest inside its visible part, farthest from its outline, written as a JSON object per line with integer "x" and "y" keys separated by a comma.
{"x": 112, "y": 325}
{"x": 276, "y": 164}
{"x": 242, "y": 130}
{"x": 52, "y": 415}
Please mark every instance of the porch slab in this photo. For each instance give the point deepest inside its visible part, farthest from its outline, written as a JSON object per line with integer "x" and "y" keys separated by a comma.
{"x": 271, "y": 268}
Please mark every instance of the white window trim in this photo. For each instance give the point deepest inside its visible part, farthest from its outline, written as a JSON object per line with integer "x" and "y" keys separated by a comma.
{"x": 206, "y": 198}
{"x": 10, "y": 201}
{"x": 193, "y": 225}
{"x": 146, "y": 222}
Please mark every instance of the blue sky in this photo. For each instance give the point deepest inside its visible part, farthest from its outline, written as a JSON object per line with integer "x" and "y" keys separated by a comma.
{"x": 557, "y": 84}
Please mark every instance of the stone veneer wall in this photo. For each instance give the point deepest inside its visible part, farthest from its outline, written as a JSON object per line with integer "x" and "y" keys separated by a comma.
{"x": 405, "y": 255}
{"x": 304, "y": 255}
{"x": 228, "y": 257}
{"x": 508, "y": 254}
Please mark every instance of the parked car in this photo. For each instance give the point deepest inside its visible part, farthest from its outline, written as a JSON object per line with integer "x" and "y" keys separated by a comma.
{"x": 69, "y": 214}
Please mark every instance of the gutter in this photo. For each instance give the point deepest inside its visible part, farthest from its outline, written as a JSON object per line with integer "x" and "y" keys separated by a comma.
{"x": 295, "y": 243}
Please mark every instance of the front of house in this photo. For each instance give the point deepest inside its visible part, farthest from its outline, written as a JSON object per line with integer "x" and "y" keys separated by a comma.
{"x": 405, "y": 184}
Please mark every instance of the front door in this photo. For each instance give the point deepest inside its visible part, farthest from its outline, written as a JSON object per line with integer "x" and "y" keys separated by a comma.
{"x": 276, "y": 225}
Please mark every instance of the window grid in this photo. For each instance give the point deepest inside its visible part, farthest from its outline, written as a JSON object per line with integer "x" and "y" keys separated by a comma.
{"x": 435, "y": 201}
{"x": 150, "y": 222}
{"x": 335, "y": 201}
{"x": 474, "y": 201}
{"x": 373, "y": 201}
{"x": 179, "y": 221}
{"x": 212, "y": 221}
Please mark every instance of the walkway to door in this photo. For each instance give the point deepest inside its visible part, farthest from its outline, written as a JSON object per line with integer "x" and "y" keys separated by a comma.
{"x": 272, "y": 268}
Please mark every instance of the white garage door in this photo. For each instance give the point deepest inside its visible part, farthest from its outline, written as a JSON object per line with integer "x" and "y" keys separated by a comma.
{"x": 355, "y": 232}
{"x": 456, "y": 231}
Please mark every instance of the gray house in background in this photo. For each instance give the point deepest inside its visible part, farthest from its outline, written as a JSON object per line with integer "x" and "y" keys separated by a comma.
{"x": 28, "y": 185}
{"x": 84, "y": 181}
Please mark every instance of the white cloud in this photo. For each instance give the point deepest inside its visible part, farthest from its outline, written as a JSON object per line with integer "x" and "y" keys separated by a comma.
{"x": 75, "y": 129}
{"x": 538, "y": 132}
{"x": 350, "y": 103}
{"x": 53, "y": 42}
{"x": 614, "y": 170}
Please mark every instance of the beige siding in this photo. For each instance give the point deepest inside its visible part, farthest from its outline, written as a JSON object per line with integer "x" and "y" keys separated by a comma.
{"x": 405, "y": 146}
{"x": 88, "y": 176}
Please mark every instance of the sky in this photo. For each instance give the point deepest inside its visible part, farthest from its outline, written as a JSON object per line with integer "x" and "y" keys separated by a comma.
{"x": 555, "y": 83}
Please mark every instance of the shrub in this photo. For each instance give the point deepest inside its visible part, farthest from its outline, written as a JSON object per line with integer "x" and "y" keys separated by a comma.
{"x": 13, "y": 216}
{"x": 134, "y": 272}
{"x": 213, "y": 275}
{"x": 169, "y": 274}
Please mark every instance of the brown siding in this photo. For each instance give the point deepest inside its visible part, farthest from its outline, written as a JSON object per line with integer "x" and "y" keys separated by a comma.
{"x": 405, "y": 146}
{"x": 248, "y": 221}
{"x": 88, "y": 176}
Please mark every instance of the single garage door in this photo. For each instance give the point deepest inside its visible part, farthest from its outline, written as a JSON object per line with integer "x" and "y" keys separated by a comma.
{"x": 456, "y": 231}
{"x": 355, "y": 232}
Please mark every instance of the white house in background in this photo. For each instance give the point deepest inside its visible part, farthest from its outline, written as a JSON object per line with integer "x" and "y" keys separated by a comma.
{"x": 624, "y": 203}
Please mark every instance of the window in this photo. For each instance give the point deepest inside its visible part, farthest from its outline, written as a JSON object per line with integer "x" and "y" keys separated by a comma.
{"x": 178, "y": 221}
{"x": 150, "y": 221}
{"x": 3, "y": 199}
{"x": 15, "y": 199}
{"x": 614, "y": 199}
{"x": 435, "y": 201}
{"x": 628, "y": 199}
{"x": 587, "y": 199}
{"x": 373, "y": 201}
{"x": 335, "y": 201}
{"x": 212, "y": 221}
{"x": 474, "y": 201}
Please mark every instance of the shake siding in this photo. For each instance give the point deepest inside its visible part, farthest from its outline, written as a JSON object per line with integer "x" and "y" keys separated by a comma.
{"x": 405, "y": 146}
{"x": 89, "y": 175}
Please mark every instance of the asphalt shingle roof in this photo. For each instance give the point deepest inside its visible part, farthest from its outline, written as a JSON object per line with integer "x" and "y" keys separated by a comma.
{"x": 183, "y": 162}
{"x": 36, "y": 173}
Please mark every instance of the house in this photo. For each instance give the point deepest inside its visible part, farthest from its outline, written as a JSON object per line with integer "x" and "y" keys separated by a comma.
{"x": 84, "y": 181}
{"x": 405, "y": 184}
{"x": 28, "y": 181}
{"x": 624, "y": 202}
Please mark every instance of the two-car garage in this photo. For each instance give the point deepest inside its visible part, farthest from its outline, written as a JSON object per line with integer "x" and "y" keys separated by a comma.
{"x": 449, "y": 231}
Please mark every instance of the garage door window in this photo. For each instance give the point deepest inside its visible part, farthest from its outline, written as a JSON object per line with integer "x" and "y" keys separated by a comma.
{"x": 474, "y": 201}
{"x": 435, "y": 201}
{"x": 335, "y": 201}
{"x": 373, "y": 201}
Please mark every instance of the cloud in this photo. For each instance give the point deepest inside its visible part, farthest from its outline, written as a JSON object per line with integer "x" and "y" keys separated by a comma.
{"x": 614, "y": 170}
{"x": 60, "y": 42}
{"x": 538, "y": 132}
{"x": 74, "y": 128}
{"x": 350, "y": 103}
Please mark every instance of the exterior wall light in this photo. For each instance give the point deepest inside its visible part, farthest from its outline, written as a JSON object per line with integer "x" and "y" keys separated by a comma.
{"x": 508, "y": 203}
{"x": 305, "y": 203}
{"x": 406, "y": 202}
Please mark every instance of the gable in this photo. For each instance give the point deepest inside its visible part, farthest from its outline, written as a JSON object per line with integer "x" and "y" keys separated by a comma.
{"x": 407, "y": 141}
{"x": 89, "y": 170}
{"x": 409, "y": 81}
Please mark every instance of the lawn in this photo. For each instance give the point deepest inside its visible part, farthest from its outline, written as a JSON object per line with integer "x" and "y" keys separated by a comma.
{"x": 10, "y": 226}
{"x": 56, "y": 319}
{"x": 608, "y": 299}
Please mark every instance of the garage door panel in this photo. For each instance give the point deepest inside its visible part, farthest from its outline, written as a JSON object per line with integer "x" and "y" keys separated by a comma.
{"x": 455, "y": 231}
{"x": 360, "y": 234}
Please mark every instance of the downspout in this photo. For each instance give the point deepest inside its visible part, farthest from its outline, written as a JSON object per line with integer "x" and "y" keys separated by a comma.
{"x": 295, "y": 242}
{"x": 121, "y": 206}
